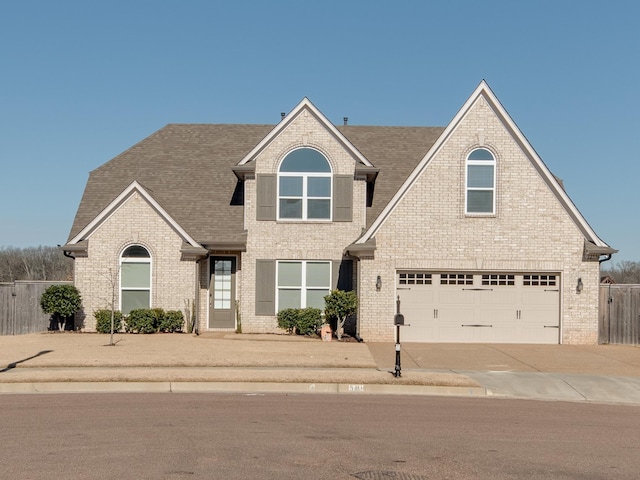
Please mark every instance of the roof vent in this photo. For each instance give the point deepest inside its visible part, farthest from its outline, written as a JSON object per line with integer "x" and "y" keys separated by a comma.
{"x": 346, "y": 120}
{"x": 282, "y": 115}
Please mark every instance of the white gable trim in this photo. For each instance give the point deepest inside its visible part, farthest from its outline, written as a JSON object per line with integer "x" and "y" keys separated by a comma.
{"x": 305, "y": 104}
{"x": 110, "y": 209}
{"x": 483, "y": 90}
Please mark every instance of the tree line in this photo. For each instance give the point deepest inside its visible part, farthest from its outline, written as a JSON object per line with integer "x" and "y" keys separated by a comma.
{"x": 625, "y": 271}
{"x": 49, "y": 263}
{"x": 34, "y": 263}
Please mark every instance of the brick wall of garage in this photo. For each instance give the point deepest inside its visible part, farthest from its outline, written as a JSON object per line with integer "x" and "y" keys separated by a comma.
{"x": 530, "y": 232}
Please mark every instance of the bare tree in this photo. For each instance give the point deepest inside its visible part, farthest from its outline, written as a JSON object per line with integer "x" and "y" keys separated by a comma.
{"x": 34, "y": 263}
{"x": 625, "y": 271}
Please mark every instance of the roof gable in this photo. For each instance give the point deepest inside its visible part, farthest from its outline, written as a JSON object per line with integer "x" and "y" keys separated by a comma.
{"x": 305, "y": 106}
{"x": 131, "y": 190}
{"x": 483, "y": 91}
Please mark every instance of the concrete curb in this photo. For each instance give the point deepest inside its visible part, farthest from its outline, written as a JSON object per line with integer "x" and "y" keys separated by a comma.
{"x": 239, "y": 387}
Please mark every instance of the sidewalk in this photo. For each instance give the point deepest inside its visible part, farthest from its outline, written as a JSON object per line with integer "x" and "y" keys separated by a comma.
{"x": 49, "y": 362}
{"x": 227, "y": 362}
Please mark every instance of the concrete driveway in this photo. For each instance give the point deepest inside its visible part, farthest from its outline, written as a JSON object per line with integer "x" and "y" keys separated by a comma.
{"x": 609, "y": 360}
{"x": 591, "y": 373}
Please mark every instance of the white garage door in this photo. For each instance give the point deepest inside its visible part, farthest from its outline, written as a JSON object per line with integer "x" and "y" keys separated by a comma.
{"x": 480, "y": 307}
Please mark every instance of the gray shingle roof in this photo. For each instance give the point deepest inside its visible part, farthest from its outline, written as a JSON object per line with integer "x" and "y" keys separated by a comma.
{"x": 187, "y": 169}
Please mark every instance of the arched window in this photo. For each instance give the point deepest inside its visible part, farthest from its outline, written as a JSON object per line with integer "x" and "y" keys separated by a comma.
{"x": 304, "y": 186}
{"x": 481, "y": 182}
{"x": 135, "y": 279}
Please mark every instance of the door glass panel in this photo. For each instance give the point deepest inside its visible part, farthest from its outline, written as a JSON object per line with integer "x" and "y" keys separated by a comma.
{"x": 222, "y": 284}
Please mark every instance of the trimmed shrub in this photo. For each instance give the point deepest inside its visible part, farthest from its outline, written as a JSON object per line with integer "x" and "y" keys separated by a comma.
{"x": 172, "y": 321}
{"x": 306, "y": 321}
{"x": 339, "y": 305}
{"x": 61, "y": 301}
{"x": 142, "y": 320}
{"x": 309, "y": 321}
{"x": 288, "y": 319}
{"x": 159, "y": 314}
{"x": 103, "y": 320}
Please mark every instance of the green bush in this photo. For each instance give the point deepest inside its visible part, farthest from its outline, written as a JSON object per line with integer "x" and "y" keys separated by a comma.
{"x": 61, "y": 301}
{"x": 103, "y": 320}
{"x": 142, "y": 320}
{"x": 172, "y": 321}
{"x": 306, "y": 321}
{"x": 309, "y": 321}
{"x": 288, "y": 319}
{"x": 339, "y": 305}
{"x": 159, "y": 314}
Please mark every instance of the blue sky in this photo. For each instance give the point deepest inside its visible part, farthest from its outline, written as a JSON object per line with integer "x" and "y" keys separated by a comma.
{"x": 82, "y": 81}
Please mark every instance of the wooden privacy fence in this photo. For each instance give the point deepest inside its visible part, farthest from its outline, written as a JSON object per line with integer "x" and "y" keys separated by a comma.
{"x": 620, "y": 314}
{"x": 20, "y": 311}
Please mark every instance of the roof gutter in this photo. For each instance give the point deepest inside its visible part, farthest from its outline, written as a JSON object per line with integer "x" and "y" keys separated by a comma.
{"x": 241, "y": 171}
{"x": 593, "y": 251}
{"x": 359, "y": 250}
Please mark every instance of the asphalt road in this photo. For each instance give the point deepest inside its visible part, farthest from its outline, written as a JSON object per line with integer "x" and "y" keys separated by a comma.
{"x": 212, "y": 436}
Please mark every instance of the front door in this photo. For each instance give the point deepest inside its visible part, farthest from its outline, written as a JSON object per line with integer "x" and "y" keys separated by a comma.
{"x": 222, "y": 292}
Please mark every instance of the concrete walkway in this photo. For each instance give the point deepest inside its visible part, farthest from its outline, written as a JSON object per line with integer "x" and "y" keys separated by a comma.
{"x": 80, "y": 362}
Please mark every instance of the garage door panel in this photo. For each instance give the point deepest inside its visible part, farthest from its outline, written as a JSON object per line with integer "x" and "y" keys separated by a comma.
{"x": 491, "y": 308}
{"x": 449, "y": 295}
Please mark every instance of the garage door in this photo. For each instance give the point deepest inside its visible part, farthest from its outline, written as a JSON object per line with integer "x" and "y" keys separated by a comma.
{"x": 479, "y": 307}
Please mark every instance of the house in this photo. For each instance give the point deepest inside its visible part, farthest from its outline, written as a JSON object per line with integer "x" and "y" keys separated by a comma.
{"x": 463, "y": 224}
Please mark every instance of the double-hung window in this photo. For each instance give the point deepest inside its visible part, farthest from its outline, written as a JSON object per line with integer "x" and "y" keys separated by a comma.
{"x": 481, "y": 183}
{"x": 304, "y": 186}
{"x": 302, "y": 284}
{"x": 135, "y": 279}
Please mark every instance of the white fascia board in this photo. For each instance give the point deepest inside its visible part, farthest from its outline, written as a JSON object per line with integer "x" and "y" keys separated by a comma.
{"x": 110, "y": 209}
{"x": 305, "y": 104}
{"x": 484, "y": 90}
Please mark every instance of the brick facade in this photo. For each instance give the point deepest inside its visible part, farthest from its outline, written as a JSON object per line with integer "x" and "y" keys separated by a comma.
{"x": 531, "y": 231}
{"x": 281, "y": 240}
{"x": 135, "y": 222}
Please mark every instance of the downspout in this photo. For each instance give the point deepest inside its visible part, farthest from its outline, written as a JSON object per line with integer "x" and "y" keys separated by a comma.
{"x": 609, "y": 300}
{"x": 196, "y": 302}
{"x": 605, "y": 259}
{"x": 68, "y": 254}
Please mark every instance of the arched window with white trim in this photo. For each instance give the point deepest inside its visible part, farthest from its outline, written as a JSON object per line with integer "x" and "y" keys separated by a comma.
{"x": 481, "y": 183}
{"x": 135, "y": 279}
{"x": 304, "y": 186}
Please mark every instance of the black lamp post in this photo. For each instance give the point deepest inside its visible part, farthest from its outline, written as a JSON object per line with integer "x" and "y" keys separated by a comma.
{"x": 398, "y": 321}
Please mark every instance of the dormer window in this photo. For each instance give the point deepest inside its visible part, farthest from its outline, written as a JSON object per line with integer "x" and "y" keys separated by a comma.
{"x": 481, "y": 181}
{"x": 304, "y": 186}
